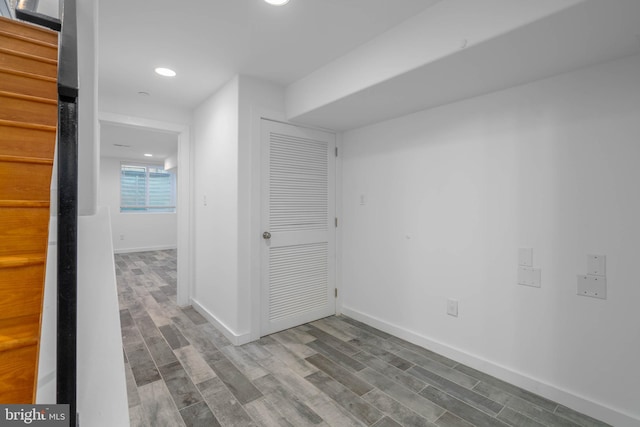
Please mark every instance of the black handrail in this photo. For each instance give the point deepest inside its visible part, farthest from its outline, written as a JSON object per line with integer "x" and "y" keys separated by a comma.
{"x": 66, "y": 362}
{"x": 26, "y": 11}
{"x": 66, "y": 351}
{"x": 68, "y": 58}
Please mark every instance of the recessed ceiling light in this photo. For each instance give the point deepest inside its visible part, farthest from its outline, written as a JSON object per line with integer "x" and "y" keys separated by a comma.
{"x": 277, "y": 2}
{"x": 148, "y": 155}
{"x": 167, "y": 72}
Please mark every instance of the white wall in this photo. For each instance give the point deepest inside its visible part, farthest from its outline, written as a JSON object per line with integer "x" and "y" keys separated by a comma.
{"x": 49, "y": 8}
{"x": 258, "y": 99}
{"x": 46, "y": 385}
{"x": 141, "y": 232}
{"x": 171, "y": 162}
{"x": 215, "y": 138}
{"x": 226, "y": 158}
{"x": 88, "y": 127}
{"x": 452, "y": 193}
{"x": 142, "y": 107}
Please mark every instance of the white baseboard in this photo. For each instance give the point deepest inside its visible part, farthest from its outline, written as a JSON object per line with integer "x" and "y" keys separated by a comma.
{"x": 571, "y": 400}
{"x": 143, "y": 249}
{"x": 236, "y": 339}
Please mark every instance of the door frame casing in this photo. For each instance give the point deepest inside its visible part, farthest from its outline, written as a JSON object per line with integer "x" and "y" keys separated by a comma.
{"x": 184, "y": 191}
{"x": 257, "y": 115}
{"x": 289, "y": 239}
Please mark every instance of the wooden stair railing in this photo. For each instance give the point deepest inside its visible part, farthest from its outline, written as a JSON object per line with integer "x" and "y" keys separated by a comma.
{"x": 28, "y": 120}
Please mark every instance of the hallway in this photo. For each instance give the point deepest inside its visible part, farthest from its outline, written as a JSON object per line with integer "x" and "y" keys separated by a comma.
{"x": 333, "y": 372}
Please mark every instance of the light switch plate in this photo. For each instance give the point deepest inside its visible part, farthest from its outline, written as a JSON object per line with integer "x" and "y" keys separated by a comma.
{"x": 592, "y": 286}
{"x": 596, "y": 265}
{"x": 525, "y": 257}
{"x": 528, "y": 276}
{"x": 452, "y": 307}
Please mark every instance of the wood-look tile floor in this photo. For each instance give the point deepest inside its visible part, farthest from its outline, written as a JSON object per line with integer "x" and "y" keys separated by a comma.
{"x": 182, "y": 371}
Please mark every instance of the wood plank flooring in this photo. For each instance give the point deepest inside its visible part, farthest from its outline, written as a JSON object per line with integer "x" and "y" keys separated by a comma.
{"x": 337, "y": 372}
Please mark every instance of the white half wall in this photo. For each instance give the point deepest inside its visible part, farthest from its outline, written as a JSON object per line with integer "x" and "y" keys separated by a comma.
{"x": 133, "y": 232}
{"x": 437, "y": 203}
{"x": 100, "y": 357}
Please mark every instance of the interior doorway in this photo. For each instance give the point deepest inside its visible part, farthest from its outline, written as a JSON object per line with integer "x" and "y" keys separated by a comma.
{"x": 183, "y": 190}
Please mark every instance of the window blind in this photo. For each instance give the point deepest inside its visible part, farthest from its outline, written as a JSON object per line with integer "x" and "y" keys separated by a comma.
{"x": 146, "y": 189}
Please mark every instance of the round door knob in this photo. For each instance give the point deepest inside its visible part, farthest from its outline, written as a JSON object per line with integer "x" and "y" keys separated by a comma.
{"x": 266, "y": 235}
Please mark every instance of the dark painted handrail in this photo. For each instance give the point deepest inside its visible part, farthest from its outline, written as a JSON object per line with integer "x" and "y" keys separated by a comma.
{"x": 68, "y": 58}
{"x": 26, "y": 10}
{"x": 66, "y": 363}
{"x": 66, "y": 350}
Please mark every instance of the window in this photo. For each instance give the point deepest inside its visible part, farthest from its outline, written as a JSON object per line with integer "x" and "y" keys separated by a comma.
{"x": 146, "y": 188}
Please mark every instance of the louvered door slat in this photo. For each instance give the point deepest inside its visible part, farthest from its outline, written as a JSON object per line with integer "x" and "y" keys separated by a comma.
{"x": 298, "y": 181}
{"x": 299, "y": 283}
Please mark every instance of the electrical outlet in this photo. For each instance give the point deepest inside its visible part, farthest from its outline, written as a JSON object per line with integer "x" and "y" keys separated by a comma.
{"x": 592, "y": 286}
{"x": 529, "y": 276}
{"x": 452, "y": 307}
{"x": 122, "y": 237}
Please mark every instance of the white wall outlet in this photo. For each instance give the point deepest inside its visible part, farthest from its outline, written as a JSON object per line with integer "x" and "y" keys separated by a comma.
{"x": 528, "y": 276}
{"x": 524, "y": 275}
{"x": 204, "y": 200}
{"x": 592, "y": 286}
{"x": 525, "y": 257}
{"x": 122, "y": 237}
{"x": 452, "y": 307}
{"x": 363, "y": 199}
{"x": 536, "y": 277}
{"x": 596, "y": 265}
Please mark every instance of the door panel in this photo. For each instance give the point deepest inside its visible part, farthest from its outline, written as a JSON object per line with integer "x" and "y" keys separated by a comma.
{"x": 298, "y": 210}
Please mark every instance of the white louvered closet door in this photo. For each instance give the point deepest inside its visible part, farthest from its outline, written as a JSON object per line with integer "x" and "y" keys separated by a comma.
{"x": 298, "y": 215}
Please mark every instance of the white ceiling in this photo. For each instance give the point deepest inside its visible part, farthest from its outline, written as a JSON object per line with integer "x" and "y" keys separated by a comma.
{"x": 207, "y": 42}
{"x": 136, "y": 141}
{"x": 588, "y": 33}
